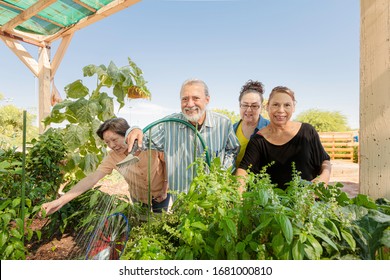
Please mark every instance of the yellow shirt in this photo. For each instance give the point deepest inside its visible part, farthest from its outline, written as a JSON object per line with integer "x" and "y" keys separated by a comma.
{"x": 243, "y": 142}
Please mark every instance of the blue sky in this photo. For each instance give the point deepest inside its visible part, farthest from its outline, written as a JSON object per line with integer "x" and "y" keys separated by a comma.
{"x": 310, "y": 46}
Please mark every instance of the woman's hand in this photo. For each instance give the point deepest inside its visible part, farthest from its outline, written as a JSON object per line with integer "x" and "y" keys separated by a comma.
{"x": 52, "y": 207}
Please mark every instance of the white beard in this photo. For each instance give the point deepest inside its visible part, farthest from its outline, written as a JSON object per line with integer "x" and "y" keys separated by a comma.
{"x": 193, "y": 118}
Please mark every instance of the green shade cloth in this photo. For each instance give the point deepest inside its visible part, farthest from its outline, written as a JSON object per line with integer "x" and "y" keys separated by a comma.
{"x": 60, "y": 14}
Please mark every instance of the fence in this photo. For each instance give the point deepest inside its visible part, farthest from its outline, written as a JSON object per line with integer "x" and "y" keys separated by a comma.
{"x": 339, "y": 145}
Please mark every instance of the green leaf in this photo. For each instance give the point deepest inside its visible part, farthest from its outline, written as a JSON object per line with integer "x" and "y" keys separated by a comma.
{"x": 4, "y": 165}
{"x": 137, "y": 71}
{"x": 286, "y": 227}
{"x": 4, "y": 204}
{"x": 114, "y": 73}
{"x": 16, "y": 202}
{"x": 199, "y": 225}
{"x": 349, "y": 239}
{"x": 9, "y": 249}
{"x": 278, "y": 243}
{"x": 89, "y": 70}
{"x": 94, "y": 199}
{"x": 6, "y": 217}
{"x": 76, "y": 90}
{"x": 262, "y": 197}
{"x": 84, "y": 110}
{"x": 317, "y": 248}
{"x": 325, "y": 238}
{"x": 107, "y": 106}
{"x": 298, "y": 250}
{"x": 91, "y": 162}
{"x": 231, "y": 226}
{"x": 76, "y": 136}
{"x": 3, "y": 238}
{"x": 15, "y": 233}
{"x": 309, "y": 251}
{"x": 385, "y": 240}
{"x": 240, "y": 247}
{"x": 264, "y": 222}
{"x": 120, "y": 94}
{"x": 365, "y": 201}
{"x": 19, "y": 223}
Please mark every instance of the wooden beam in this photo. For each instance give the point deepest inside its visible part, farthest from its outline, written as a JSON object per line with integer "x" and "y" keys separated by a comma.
{"x": 22, "y": 39}
{"x": 26, "y": 14}
{"x": 59, "y": 55}
{"x": 44, "y": 77}
{"x": 23, "y": 54}
{"x": 104, "y": 12}
{"x": 82, "y": 4}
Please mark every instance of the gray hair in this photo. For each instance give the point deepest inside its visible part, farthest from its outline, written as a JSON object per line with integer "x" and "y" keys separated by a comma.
{"x": 195, "y": 81}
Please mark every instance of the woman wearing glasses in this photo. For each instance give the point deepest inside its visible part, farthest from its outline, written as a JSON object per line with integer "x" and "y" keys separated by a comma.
{"x": 250, "y": 100}
{"x": 284, "y": 142}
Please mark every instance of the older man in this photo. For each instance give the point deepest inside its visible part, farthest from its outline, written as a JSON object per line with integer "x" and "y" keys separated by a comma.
{"x": 177, "y": 139}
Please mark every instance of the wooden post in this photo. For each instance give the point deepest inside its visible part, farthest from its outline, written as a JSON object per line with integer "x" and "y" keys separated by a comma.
{"x": 375, "y": 98}
{"x": 44, "y": 75}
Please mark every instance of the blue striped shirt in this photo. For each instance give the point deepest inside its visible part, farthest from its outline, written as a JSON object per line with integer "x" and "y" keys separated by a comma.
{"x": 176, "y": 140}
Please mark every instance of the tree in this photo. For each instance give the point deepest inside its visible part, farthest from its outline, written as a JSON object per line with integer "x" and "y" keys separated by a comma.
{"x": 234, "y": 117}
{"x": 324, "y": 121}
{"x": 11, "y": 126}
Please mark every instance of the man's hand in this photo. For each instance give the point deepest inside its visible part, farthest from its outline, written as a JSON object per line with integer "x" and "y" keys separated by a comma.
{"x": 135, "y": 134}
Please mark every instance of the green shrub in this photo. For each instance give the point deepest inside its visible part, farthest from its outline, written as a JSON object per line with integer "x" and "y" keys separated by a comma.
{"x": 306, "y": 221}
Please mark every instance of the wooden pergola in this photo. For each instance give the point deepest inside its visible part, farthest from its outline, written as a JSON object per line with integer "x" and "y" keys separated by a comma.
{"x": 374, "y": 137}
{"x": 40, "y": 24}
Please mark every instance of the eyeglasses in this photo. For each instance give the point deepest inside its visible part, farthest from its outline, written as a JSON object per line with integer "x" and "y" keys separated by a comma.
{"x": 253, "y": 106}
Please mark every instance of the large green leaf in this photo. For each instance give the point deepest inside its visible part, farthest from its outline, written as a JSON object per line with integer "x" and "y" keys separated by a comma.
{"x": 76, "y": 136}
{"x": 85, "y": 110}
{"x": 120, "y": 95}
{"x": 76, "y": 90}
{"x": 107, "y": 107}
{"x": 61, "y": 105}
{"x": 365, "y": 200}
{"x": 370, "y": 232}
{"x": 90, "y": 163}
{"x": 114, "y": 73}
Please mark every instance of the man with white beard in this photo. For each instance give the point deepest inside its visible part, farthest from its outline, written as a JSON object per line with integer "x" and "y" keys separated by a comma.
{"x": 176, "y": 139}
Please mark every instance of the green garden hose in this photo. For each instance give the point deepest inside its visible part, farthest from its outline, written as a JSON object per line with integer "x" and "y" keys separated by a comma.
{"x": 148, "y": 127}
{"x": 208, "y": 160}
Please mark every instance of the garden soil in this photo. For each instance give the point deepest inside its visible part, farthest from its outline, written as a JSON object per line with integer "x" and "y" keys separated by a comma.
{"x": 61, "y": 247}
